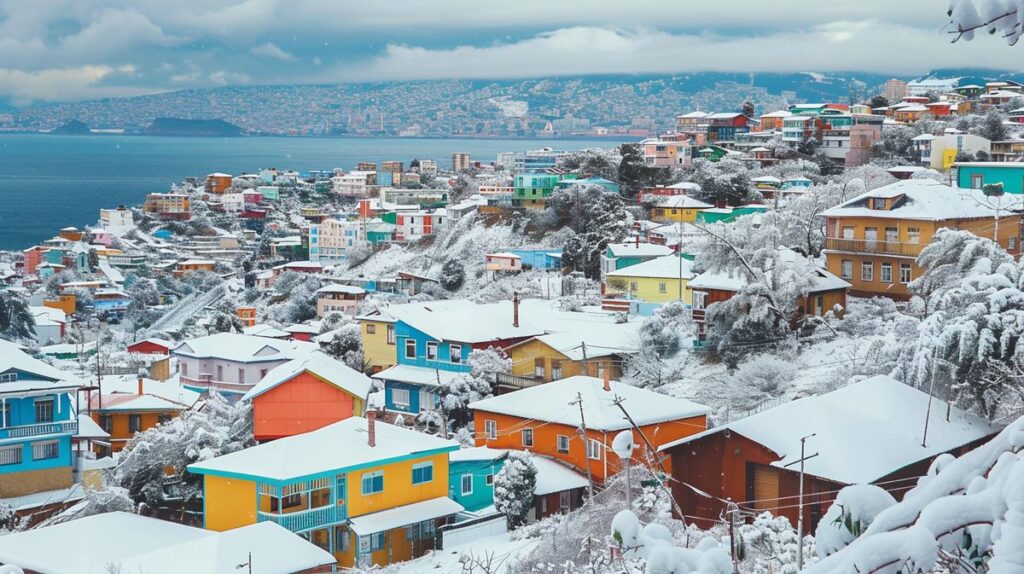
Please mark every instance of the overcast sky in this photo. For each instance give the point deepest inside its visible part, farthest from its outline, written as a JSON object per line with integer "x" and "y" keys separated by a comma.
{"x": 75, "y": 49}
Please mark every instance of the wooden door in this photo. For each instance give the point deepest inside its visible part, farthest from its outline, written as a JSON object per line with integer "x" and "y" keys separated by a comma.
{"x": 766, "y": 488}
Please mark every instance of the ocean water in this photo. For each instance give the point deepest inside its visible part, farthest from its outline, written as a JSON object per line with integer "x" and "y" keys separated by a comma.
{"x": 48, "y": 182}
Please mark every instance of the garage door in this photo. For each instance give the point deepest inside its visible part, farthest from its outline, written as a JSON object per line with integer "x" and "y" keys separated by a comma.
{"x": 766, "y": 488}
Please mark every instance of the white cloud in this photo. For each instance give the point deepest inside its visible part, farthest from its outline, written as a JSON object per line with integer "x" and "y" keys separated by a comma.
{"x": 270, "y": 50}
{"x": 61, "y": 84}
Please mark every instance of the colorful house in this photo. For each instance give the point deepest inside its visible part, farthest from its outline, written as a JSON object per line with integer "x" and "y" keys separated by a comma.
{"x": 678, "y": 208}
{"x": 130, "y": 405}
{"x": 378, "y": 333}
{"x": 37, "y": 421}
{"x": 873, "y": 240}
{"x": 976, "y": 175}
{"x": 247, "y": 315}
{"x": 304, "y": 395}
{"x": 546, "y": 419}
{"x": 939, "y": 152}
{"x": 376, "y": 501}
{"x": 531, "y": 189}
{"x": 655, "y": 281}
{"x": 621, "y": 255}
{"x": 192, "y": 265}
{"x": 542, "y": 259}
{"x": 218, "y": 183}
{"x": 755, "y": 458}
{"x": 232, "y": 364}
{"x": 503, "y": 262}
{"x": 338, "y": 298}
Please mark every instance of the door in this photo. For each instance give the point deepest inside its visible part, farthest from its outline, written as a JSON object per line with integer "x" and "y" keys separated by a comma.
{"x": 766, "y": 488}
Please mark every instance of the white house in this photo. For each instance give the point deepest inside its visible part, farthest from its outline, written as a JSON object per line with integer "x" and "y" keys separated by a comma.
{"x": 232, "y": 363}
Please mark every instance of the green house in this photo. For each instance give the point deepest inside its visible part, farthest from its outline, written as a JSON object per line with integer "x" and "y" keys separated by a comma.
{"x": 976, "y": 175}
{"x": 531, "y": 189}
{"x": 727, "y": 214}
{"x": 621, "y": 255}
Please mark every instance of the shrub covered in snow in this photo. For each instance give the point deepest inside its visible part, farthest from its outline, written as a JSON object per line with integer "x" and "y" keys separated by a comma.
{"x": 513, "y": 487}
{"x": 854, "y": 509}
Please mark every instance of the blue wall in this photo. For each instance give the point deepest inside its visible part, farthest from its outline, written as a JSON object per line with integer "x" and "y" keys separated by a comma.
{"x": 414, "y": 397}
{"x": 482, "y": 495}
{"x": 27, "y": 464}
{"x": 1012, "y": 177}
{"x": 404, "y": 332}
{"x": 544, "y": 259}
{"x": 23, "y": 409}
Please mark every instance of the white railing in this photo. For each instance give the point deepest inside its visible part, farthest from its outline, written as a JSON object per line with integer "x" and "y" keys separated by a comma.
{"x": 40, "y": 429}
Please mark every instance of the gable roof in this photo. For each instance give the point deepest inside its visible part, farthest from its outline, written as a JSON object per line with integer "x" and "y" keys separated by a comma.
{"x": 12, "y": 358}
{"x": 121, "y": 393}
{"x": 320, "y": 365}
{"x": 864, "y": 431}
{"x": 667, "y": 267}
{"x": 243, "y": 348}
{"x": 635, "y": 249}
{"x": 550, "y": 402}
{"x": 333, "y": 448}
{"x": 736, "y": 279}
{"x": 927, "y": 200}
{"x": 683, "y": 202}
{"x": 464, "y": 321}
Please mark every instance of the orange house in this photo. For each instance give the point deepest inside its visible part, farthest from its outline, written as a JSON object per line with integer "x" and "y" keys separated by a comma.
{"x": 129, "y": 405}
{"x": 247, "y": 315}
{"x": 306, "y": 394}
{"x": 218, "y": 183}
{"x": 546, "y": 420}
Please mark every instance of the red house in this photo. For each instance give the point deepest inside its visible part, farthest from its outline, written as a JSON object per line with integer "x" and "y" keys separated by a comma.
{"x": 306, "y": 394}
{"x": 152, "y": 346}
{"x": 867, "y": 432}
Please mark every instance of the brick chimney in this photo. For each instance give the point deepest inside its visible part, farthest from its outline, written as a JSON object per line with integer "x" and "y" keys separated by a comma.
{"x": 515, "y": 309}
{"x": 371, "y": 428}
{"x": 607, "y": 378}
{"x": 140, "y": 385}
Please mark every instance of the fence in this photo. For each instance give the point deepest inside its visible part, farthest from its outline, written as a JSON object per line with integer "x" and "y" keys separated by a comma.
{"x": 470, "y": 530}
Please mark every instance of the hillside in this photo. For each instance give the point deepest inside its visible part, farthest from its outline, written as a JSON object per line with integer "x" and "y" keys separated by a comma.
{"x": 183, "y": 127}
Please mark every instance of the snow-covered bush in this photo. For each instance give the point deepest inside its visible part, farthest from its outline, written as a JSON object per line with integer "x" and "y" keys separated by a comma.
{"x": 513, "y": 487}
{"x": 347, "y": 346}
{"x": 769, "y": 544}
{"x": 475, "y": 385}
{"x": 854, "y": 509}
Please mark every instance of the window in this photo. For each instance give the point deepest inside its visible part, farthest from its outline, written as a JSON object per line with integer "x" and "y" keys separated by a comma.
{"x": 467, "y": 484}
{"x": 871, "y": 234}
{"x": 977, "y": 181}
{"x": 410, "y": 349}
{"x": 527, "y": 437}
{"x": 846, "y": 269}
{"x": 1012, "y": 244}
{"x": 241, "y": 375}
{"x": 422, "y": 472}
{"x": 892, "y": 234}
{"x": 371, "y": 543}
{"x": 455, "y": 353}
{"x": 913, "y": 235}
{"x": 373, "y": 482}
{"x": 538, "y": 368}
{"x": 489, "y": 480}
{"x": 134, "y": 423}
{"x": 491, "y": 429}
{"x": 698, "y": 299}
{"x": 867, "y": 271}
{"x": 400, "y": 397}
{"x": 556, "y": 370}
{"x": 904, "y": 273}
{"x": 594, "y": 448}
{"x": 45, "y": 450}
{"x": 564, "y": 501}
{"x": 342, "y": 539}
{"x": 887, "y": 273}
{"x": 44, "y": 410}
{"x": 220, "y": 372}
{"x": 10, "y": 455}
{"x": 184, "y": 369}
{"x": 371, "y": 329}
{"x": 391, "y": 334}
{"x": 632, "y": 285}
{"x": 106, "y": 422}
{"x": 8, "y": 377}
{"x": 290, "y": 501}
{"x": 662, "y": 287}
{"x": 563, "y": 444}
{"x": 431, "y": 351}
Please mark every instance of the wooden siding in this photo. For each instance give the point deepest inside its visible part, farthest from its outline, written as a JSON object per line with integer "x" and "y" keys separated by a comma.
{"x": 302, "y": 404}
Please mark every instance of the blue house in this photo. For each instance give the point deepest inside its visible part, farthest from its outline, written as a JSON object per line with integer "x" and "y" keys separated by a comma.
{"x": 433, "y": 342}
{"x": 542, "y": 259}
{"x": 37, "y": 421}
{"x": 976, "y": 175}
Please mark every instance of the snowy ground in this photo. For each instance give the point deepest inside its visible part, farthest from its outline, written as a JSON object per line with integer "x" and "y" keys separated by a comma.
{"x": 498, "y": 551}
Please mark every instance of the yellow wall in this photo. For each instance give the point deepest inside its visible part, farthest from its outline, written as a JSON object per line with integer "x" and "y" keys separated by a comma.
{"x": 230, "y": 502}
{"x": 673, "y": 214}
{"x": 377, "y": 353}
{"x": 649, "y": 288}
{"x": 524, "y": 358}
{"x": 398, "y": 487}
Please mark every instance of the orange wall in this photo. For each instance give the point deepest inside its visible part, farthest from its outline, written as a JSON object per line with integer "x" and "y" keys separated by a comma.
{"x": 119, "y": 433}
{"x": 303, "y": 404}
{"x": 229, "y": 502}
{"x": 545, "y": 440}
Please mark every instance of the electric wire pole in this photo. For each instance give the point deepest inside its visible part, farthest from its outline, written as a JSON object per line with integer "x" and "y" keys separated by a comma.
{"x": 800, "y": 503}
{"x": 586, "y": 444}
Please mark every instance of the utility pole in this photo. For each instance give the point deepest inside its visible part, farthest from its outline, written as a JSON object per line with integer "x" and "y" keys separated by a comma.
{"x": 444, "y": 415}
{"x": 586, "y": 365}
{"x": 931, "y": 387}
{"x": 586, "y": 444}
{"x": 246, "y": 564}
{"x": 679, "y": 253}
{"x": 732, "y": 509}
{"x": 800, "y": 503}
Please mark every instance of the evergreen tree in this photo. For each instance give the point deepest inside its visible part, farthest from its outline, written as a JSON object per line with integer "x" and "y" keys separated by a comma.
{"x": 452, "y": 275}
{"x": 513, "y": 487}
{"x": 15, "y": 318}
{"x": 634, "y": 173}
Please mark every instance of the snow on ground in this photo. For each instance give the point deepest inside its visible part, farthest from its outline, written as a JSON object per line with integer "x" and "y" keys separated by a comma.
{"x": 498, "y": 551}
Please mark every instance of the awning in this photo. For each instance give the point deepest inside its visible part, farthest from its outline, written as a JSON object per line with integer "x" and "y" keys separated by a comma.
{"x": 404, "y": 515}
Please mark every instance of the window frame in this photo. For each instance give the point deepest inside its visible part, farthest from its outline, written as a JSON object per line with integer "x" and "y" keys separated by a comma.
{"x": 45, "y": 450}
{"x": 44, "y": 402}
{"x": 455, "y": 353}
{"x": 886, "y": 266}
{"x": 846, "y": 268}
{"x": 523, "y": 434}
{"x": 428, "y": 467}
{"x": 371, "y": 329}
{"x": 594, "y": 448}
{"x": 909, "y": 270}
{"x": 462, "y": 484}
{"x": 559, "y": 441}
{"x": 371, "y": 479}
{"x": 431, "y": 351}
{"x": 394, "y": 397}
{"x": 391, "y": 334}
{"x": 490, "y": 429}
{"x": 870, "y": 267}
{"x": 134, "y": 423}
{"x": 409, "y": 342}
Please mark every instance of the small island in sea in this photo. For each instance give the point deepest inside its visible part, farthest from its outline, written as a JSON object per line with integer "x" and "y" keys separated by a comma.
{"x": 185, "y": 127}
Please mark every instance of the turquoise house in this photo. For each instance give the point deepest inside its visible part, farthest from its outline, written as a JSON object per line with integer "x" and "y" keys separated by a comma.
{"x": 37, "y": 421}
{"x": 976, "y": 175}
{"x": 542, "y": 259}
{"x": 531, "y": 189}
{"x": 727, "y": 214}
{"x": 471, "y": 473}
{"x": 621, "y": 255}
{"x": 598, "y": 181}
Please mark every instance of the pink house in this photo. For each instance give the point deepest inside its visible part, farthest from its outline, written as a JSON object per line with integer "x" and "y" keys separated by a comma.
{"x": 503, "y": 263}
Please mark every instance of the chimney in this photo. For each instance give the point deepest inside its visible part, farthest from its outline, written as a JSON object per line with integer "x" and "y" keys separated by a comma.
{"x": 607, "y": 379}
{"x": 515, "y": 309}
{"x": 140, "y": 385}
{"x": 371, "y": 428}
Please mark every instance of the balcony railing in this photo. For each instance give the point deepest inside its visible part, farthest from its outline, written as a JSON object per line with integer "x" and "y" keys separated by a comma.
{"x": 507, "y": 380}
{"x": 878, "y": 247}
{"x": 305, "y": 519}
{"x": 206, "y": 384}
{"x": 39, "y": 429}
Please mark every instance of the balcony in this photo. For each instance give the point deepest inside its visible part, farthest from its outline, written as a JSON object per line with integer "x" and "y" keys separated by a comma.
{"x": 42, "y": 429}
{"x": 896, "y": 248}
{"x": 507, "y": 380}
{"x": 206, "y": 383}
{"x": 306, "y": 519}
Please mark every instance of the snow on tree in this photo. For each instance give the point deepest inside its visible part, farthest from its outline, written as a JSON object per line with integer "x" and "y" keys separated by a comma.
{"x": 770, "y": 544}
{"x": 194, "y": 435}
{"x": 965, "y": 516}
{"x": 294, "y": 298}
{"x": 513, "y": 487}
{"x": 1005, "y": 17}
{"x": 854, "y": 509}
{"x": 473, "y": 386}
{"x": 598, "y": 162}
{"x": 452, "y": 275}
{"x": 347, "y": 347}
{"x": 660, "y": 339}
{"x": 15, "y": 319}
{"x": 634, "y": 173}
{"x": 725, "y": 181}
{"x": 96, "y": 501}
{"x": 596, "y": 216}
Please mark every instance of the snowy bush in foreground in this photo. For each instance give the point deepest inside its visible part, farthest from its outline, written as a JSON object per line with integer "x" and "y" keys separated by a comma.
{"x": 854, "y": 509}
{"x": 513, "y": 487}
{"x": 965, "y": 516}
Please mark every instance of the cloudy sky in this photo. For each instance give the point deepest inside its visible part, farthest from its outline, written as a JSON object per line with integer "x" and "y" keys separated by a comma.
{"x": 77, "y": 49}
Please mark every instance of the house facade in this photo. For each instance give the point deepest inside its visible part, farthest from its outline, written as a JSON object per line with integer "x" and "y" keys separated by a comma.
{"x": 532, "y": 189}
{"x": 232, "y": 364}
{"x": 655, "y": 281}
{"x": 338, "y": 299}
{"x": 976, "y": 175}
{"x": 678, "y": 208}
{"x": 130, "y": 405}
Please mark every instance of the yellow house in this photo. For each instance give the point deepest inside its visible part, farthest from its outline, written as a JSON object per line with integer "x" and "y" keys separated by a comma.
{"x": 678, "y": 208}
{"x": 873, "y": 240}
{"x": 368, "y": 492}
{"x": 378, "y": 334}
{"x": 656, "y": 281}
{"x": 590, "y": 345}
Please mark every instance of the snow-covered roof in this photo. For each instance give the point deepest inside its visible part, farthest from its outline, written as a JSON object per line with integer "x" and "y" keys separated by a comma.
{"x": 399, "y": 516}
{"x": 320, "y": 451}
{"x": 12, "y": 358}
{"x": 765, "y": 178}
{"x": 198, "y": 262}
{"x": 243, "y": 348}
{"x": 667, "y": 267}
{"x": 320, "y": 365}
{"x": 736, "y": 279}
{"x": 635, "y": 249}
{"x": 464, "y": 321}
{"x": 864, "y": 431}
{"x": 723, "y": 115}
{"x": 913, "y": 108}
{"x": 504, "y": 255}
{"x": 777, "y": 114}
{"x": 928, "y": 200}
{"x": 694, "y": 115}
{"x": 554, "y": 476}
{"x": 301, "y": 328}
{"x": 689, "y": 185}
{"x": 336, "y": 288}
{"x": 760, "y": 149}
{"x": 683, "y": 202}
{"x": 550, "y": 402}
{"x": 88, "y": 429}
{"x": 417, "y": 375}
{"x": 923, "y": 137}
{"x": 477, "y": 453}
{"x": 121, "y": 393}
{"x": 123, "y": 542}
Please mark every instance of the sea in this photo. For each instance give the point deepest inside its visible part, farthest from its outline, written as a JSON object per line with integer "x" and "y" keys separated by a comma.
{"x": 48, "y": 182}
